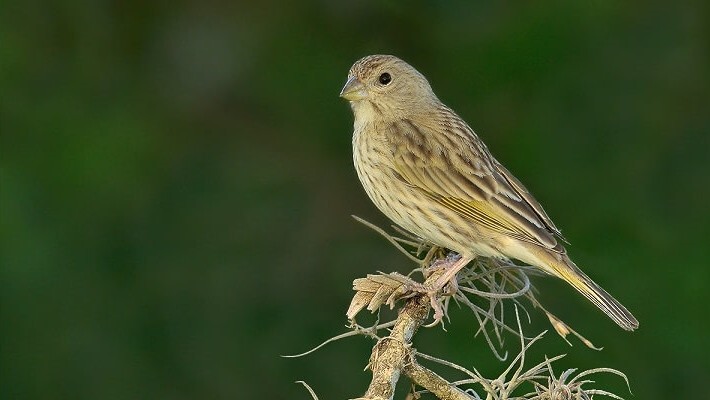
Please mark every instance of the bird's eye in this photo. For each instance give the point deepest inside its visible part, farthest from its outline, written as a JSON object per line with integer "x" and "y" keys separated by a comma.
{"x": 385, "y": 78}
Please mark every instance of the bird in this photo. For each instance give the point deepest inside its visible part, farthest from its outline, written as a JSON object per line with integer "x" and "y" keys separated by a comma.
{"x": 425, "y": 168}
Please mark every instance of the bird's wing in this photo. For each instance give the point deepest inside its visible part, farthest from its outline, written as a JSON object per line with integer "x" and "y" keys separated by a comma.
{"x": 463, "y": 176}
{"x": 529, "y": 199}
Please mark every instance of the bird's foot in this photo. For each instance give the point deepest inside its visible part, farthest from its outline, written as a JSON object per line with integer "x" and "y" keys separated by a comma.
{"x": 446, "y": 284}
{"x": 450, "y": 283}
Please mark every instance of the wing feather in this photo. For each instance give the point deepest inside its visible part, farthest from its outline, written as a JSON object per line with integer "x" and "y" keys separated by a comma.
{"x": 466, "y": 179}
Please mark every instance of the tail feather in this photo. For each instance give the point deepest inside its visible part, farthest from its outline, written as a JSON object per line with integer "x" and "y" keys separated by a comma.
{"x": 568, "y": 271}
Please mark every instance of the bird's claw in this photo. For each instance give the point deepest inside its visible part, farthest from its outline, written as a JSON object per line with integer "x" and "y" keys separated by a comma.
{"x": 435, "y": 294}
{"x": 439, "y": 312}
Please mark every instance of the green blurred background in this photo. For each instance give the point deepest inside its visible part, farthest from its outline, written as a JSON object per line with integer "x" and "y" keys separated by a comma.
{"x": 176, "y": 186}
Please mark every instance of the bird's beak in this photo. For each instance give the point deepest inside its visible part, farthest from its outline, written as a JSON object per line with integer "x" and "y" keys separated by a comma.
{"x": 353, "y": 90}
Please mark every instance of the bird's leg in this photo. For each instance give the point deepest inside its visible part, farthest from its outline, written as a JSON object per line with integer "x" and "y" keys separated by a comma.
{"x": 442, "y": 263}
{"x": 451, "y": 265}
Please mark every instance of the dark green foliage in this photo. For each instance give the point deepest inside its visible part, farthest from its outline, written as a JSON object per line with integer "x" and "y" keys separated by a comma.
{"x": 176, "y": 186}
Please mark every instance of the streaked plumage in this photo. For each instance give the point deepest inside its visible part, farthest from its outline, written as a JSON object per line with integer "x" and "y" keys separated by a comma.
{"x": 426, "y": 169}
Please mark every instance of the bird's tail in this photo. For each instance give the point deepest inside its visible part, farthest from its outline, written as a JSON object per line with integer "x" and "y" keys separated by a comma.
{"x": 568, "y": 271}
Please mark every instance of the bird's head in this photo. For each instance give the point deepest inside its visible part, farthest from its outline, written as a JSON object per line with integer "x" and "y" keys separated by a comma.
{"x": 387, "y": 84}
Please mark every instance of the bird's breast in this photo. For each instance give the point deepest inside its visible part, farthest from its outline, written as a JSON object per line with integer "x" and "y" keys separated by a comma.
{"x": 373, "y": 159}
{"x": 403, "y": 203}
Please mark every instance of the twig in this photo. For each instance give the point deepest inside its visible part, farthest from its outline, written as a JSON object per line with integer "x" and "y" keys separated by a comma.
{"x": 310, "y": 390}
{"x": 429, "y": 380}
{"x": 371, "y": 331}
{"x": 390, "y": 354}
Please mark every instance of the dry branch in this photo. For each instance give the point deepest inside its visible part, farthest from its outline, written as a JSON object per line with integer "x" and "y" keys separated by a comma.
{"x": 489, "y": 280}
{"x": 393, "y": 355}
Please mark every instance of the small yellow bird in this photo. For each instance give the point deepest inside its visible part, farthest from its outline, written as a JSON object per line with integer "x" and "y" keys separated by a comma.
{"x": 426, "y": 170}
